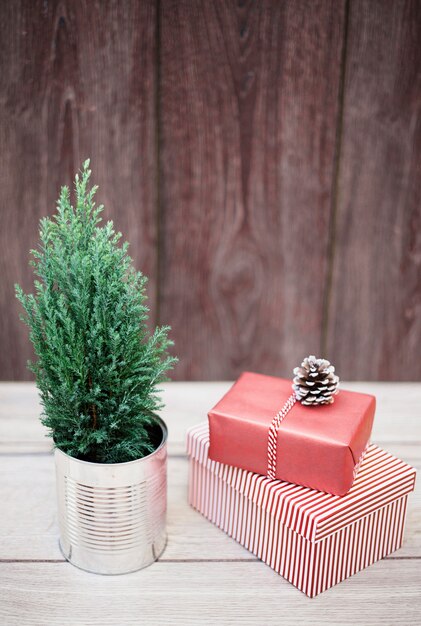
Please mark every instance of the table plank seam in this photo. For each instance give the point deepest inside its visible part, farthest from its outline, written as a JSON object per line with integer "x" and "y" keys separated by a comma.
{"x": 43, "y": 453}
{"x": 238, "y": 560}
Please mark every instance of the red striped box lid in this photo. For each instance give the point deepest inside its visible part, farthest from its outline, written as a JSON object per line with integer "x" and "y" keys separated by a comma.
{"x": 381, "y": 479}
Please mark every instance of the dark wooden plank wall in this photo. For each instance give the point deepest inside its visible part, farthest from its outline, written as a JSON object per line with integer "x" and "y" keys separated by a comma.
{"x": 248, "y": 110}
{"x": 77, "y": 79}
{"x": 261, "y": 157}
{"x": 374, "y": 320}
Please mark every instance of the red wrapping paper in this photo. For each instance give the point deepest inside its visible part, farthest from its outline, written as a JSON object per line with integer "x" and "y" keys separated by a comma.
{"x": 317, "y": 447}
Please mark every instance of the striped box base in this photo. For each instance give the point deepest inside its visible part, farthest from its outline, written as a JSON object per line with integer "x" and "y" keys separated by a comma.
{"x": 311, "y": 565}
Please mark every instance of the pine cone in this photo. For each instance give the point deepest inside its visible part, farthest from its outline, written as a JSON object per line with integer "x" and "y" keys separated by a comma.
{"x": 315, "y": 382}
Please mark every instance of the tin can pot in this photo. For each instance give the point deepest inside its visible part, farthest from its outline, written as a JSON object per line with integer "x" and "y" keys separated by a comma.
{"x": 112, "y": 516}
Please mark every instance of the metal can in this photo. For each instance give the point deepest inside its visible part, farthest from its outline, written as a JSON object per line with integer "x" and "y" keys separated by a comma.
{"x": 112, "y": 517}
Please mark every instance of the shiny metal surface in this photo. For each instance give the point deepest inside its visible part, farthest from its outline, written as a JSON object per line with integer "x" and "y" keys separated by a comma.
{"x": 112, "y": 516}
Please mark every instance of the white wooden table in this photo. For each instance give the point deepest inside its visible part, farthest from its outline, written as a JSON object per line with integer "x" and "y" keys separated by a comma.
{"x": 203, "y": 577}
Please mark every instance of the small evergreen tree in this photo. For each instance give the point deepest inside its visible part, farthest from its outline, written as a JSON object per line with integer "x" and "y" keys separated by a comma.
{"x": 97, "y": 365}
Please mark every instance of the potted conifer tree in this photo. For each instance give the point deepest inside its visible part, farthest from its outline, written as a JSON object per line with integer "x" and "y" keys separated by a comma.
{"x": 97, "y": 368}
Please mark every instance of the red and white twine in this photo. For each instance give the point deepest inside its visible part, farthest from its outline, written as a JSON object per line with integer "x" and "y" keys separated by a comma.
{"x": 273, "y": 438}
{"x": 273, "y": 435}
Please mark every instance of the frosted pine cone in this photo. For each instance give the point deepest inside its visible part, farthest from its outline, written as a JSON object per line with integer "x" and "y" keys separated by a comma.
{"x": 315, "y": 382}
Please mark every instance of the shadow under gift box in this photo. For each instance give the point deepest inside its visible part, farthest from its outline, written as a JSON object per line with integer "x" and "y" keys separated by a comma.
{"x": 313, "y": 539}
{"x": 318, "y": 447}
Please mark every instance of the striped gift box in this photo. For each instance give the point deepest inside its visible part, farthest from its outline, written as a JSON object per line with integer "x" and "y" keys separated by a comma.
{"x": 313, "y": 539}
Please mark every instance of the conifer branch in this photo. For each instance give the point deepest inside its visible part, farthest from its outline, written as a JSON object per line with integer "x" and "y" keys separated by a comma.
{"x": 97, "y": 366}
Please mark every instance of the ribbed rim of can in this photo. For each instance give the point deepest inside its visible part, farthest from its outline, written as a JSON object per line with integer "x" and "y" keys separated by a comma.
{"x": 164, "y": 429}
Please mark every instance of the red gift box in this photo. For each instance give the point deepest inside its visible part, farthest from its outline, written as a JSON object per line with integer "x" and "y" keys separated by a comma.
{"x": 314, "y": 539}
{"x": 318, "y": 447}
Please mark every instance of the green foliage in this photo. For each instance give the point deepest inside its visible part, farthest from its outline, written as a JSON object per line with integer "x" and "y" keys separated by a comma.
{"x": 97, "y": 365}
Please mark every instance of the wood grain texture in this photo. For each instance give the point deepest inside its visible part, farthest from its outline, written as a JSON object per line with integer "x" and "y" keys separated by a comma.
{"x": 203, "y": 577}
{"x": 77, "y": 79}
{"x": 263, "y": 159}
{"x": 186, "y": 404}
{"x": 248, "y": 117}
{"x": 208, "y": 593}
{"x": 374, "y": 328}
